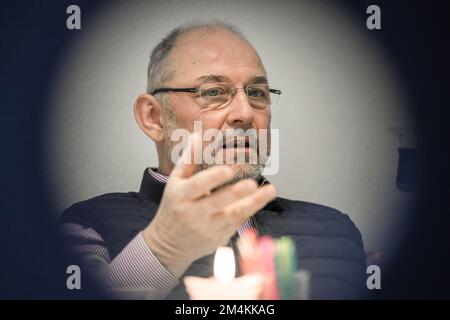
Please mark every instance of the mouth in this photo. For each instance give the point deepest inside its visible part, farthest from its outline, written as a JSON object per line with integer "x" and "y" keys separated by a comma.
{"x": 238, "y": 150}
{"x": 237, "y": 143}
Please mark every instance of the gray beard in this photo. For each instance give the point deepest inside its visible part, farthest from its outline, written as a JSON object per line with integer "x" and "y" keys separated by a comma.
{"x": 243, "y": 171}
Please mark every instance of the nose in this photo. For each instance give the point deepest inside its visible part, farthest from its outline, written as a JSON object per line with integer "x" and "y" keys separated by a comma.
{"x": 240, "y": 111}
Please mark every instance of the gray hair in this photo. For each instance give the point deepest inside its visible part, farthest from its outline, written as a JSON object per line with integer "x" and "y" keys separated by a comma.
{"x": 159, "y": 70}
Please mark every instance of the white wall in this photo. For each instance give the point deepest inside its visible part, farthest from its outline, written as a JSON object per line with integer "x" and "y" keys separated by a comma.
{"x": 340, "y": 97}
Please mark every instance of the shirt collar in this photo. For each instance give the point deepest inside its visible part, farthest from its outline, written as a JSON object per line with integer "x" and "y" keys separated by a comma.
{"x": 157, "y": 176}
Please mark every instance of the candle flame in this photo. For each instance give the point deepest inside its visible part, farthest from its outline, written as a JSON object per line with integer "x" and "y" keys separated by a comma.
{"x": 224, "y": 264}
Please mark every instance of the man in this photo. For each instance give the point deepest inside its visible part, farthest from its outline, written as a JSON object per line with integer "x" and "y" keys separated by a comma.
{"x": 152, "y": 238}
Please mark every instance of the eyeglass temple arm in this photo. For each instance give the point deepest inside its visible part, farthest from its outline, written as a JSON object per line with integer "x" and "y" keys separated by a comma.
{"x": 174, "y": 90}
{"x": 275, "y": 91}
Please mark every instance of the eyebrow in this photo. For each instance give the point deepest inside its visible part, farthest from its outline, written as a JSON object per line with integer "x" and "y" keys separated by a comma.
{"x": 220, "y": 78}
{"x": 259, "y": 80}
{"x": 213, "y": 78}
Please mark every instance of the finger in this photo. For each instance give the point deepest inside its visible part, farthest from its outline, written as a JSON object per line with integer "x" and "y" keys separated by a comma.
{"x": 185, "y": 166}
{"x": 207, "y": 180}
{"x": 240, "y": 211}
{"x": 218, "y": 200}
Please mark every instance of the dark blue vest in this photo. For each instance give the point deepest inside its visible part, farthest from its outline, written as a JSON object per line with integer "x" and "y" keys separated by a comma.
{"x": 328, "y": 244}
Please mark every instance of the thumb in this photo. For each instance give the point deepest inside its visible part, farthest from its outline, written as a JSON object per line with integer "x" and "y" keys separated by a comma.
{"x": 185, "y": 166}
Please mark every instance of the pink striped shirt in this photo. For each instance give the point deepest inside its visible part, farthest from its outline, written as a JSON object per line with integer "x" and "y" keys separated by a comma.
{"x": 135, "y": 268}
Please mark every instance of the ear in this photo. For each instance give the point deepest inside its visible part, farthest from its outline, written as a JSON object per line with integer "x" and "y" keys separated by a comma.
{"x": 147, "y": 111}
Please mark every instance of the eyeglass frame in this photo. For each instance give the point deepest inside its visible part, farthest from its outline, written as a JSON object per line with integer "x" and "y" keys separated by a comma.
{"x": 197, "y": 90}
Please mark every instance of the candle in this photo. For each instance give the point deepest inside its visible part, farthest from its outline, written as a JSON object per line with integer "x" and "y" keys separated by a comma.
{"x": 224, "y": 285}
{"x": 224, "y": 264}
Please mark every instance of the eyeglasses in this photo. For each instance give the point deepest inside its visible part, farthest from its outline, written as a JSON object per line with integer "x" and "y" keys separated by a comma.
{"x": 215, "y": 95}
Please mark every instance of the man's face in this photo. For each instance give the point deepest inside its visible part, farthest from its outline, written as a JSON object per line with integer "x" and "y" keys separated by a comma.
{"x": 201, "y": 54}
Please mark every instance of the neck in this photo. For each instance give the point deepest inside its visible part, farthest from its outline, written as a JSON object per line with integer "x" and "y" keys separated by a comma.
{"x": 165, "y": 169}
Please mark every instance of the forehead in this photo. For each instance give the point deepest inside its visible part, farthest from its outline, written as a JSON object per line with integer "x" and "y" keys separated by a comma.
{"x": 203, "y": 52}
